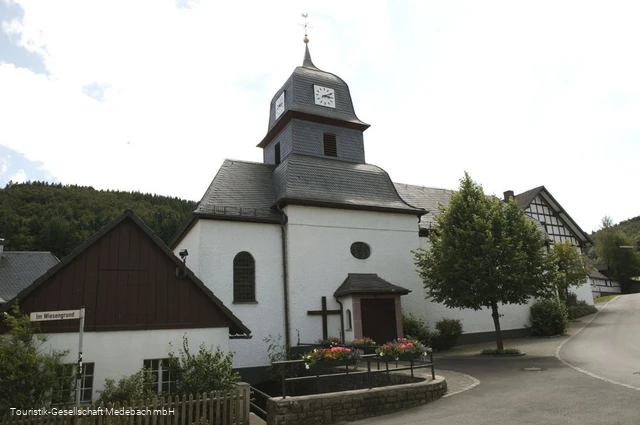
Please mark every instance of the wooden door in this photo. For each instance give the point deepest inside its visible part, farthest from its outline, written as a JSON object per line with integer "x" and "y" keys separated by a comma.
{"x": 379, "y": 319}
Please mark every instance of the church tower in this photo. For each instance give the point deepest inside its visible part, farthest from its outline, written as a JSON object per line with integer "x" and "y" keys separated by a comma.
{"x": 312, "y": 114}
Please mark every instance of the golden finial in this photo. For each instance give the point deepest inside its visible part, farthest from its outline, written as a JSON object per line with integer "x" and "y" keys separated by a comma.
{"x": 305, "y": 25}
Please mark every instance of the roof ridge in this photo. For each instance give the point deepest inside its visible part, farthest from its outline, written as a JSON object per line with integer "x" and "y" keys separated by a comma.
{"x": 424, "y": 187}
{"x": 246, "y": 162}
{"x": 27, "y": 252}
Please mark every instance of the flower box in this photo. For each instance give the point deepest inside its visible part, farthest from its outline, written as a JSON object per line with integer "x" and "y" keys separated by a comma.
{"x": 323, "y": 358}
{"x": 403, "y": 349}
{"x": 366, "y": 349}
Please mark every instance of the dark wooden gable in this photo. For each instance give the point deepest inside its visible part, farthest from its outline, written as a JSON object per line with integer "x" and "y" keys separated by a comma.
{"x": 126, "y": 280}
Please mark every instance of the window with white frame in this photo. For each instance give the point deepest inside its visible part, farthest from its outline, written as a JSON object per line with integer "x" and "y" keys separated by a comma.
{"x": 65, "y": 390}
{"x": 160, "y": 375}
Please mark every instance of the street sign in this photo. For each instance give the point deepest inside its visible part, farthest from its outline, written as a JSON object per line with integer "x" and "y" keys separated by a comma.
{"x": 42, "y": 316}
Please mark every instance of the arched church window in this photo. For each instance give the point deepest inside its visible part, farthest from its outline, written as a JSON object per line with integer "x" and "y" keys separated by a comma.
{"x": 244, "y": 278}
{"x": 349, "y": 321}
{"x": 360, "y": 250}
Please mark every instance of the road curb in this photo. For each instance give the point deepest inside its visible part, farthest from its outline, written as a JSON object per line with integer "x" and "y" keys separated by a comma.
{"x": 474, "y": 383}
{"x": 558, "y": 354}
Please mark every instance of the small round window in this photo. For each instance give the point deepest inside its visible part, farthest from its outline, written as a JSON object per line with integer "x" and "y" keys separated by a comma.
{"x": 360, "y": 250}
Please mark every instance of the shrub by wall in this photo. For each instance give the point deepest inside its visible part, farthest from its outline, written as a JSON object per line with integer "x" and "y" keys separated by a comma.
{"x": 416, "y": 328}
{"x": 549, "y": 317}
{"x": 576, "y": 311}
{"x": 447, "y": 333}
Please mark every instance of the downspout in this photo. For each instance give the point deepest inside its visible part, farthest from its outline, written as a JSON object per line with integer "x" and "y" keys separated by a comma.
{"x": 341, "y": 319}
{"x": 285, "y": 279}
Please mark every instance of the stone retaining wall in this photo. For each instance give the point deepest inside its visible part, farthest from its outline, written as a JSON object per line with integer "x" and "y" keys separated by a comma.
{"x": 351, "y": 405}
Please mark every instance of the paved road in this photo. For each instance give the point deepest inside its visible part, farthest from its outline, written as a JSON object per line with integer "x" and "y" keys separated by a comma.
{"x": 559, "y": 394}
{"x": 610, "y": 346}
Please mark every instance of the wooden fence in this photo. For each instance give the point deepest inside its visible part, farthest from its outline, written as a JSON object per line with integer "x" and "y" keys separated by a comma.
{"x": 201, "y": 409}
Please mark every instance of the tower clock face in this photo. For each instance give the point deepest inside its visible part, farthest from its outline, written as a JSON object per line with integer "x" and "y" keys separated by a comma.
{"x": 280, "y": 105}
{"x": 324, "y": 96}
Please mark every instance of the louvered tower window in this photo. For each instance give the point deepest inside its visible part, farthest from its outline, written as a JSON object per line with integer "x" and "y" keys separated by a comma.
{"x": 330, "y": 145}
{"x": 244, "y": 278}
{"x": 276, "y": 150}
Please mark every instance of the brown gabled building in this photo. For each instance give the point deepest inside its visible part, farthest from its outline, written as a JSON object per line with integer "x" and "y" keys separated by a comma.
{"x": 138, "y": 298}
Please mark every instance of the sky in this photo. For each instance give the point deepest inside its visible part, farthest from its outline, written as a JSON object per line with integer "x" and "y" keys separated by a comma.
{"x": 152, "y": 95}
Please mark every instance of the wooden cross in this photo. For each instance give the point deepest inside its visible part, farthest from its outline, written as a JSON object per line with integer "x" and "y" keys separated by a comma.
{"x": 324, "y": 313}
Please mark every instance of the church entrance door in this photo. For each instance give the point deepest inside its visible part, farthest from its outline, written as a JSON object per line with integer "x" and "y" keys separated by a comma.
{"x": 379, "y": 319}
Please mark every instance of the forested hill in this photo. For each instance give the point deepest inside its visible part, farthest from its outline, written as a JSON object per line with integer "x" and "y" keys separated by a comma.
{"x": 39, "y": 216}
{"x": 630, "y": 229}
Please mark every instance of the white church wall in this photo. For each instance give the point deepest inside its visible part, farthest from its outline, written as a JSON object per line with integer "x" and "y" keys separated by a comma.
{"x": 319, "y": 242}
{"x": 117, "y": 354}
{"x": 347, "y": 305}
{"x": 220, "y": 242}
{"x": 191, "y": 242}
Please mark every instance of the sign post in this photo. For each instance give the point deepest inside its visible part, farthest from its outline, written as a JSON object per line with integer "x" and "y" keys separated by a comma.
{"x": 44, "y": 316}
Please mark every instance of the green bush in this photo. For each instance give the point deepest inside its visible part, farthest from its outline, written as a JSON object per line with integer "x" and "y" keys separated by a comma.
{"x": 28, "y": 369}
{"x": 549, "y": 317}
{"x": 447, "y": 333}
{"x": 576, "y": 311}
{"x": 205, "y": 371}
{"x": 416, "y": 328}
{"x": 138, "y": 386}
{"x": 572, "y": 299}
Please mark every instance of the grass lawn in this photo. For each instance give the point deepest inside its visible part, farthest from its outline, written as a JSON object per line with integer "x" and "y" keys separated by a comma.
{"x": 604, "y": 299}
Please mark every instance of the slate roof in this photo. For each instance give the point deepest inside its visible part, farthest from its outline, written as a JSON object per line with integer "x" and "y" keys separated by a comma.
{"x": 322, "y": 181}
{"x": 425, "y": 197}
{"x": 368, "y": 283}
{"x": 595, "y": 274}
{"x": 19, "y": 269}
{"x": 525, "y": 198}
{"x": 241, "y": 189}
{"x": 237, "y": 328}
{"x": 306, "y": 76}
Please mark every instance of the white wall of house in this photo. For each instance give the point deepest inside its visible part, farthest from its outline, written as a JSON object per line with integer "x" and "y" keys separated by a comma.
{"x": 514, "y": 316}
{"x": 583, "y": 292}
{"x": 121, "y": 353}
{"x": 600, "y": 287}
{"x": 217, "y": 245}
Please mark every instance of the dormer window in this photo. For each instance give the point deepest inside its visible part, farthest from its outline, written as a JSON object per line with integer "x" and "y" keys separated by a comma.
{"x": 330, "y": 144}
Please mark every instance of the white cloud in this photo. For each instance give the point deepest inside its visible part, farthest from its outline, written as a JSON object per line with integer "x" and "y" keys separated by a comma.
{"x": 520, "y": 95}
{"x": 19, "y": 177}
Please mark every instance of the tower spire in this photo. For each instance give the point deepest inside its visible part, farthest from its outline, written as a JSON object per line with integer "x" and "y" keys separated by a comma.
{"x": 307, "y": 62}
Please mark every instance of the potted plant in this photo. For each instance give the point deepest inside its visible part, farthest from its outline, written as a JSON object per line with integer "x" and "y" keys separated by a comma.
{"x": 332, "y": 341}
{"x": 366, "y": 344}
{"x": 403, "y": 349}
{"x": 319, "y": 358}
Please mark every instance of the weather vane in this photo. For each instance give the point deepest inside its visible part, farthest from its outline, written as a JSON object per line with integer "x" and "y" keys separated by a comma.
{"x": 305, "y": 25}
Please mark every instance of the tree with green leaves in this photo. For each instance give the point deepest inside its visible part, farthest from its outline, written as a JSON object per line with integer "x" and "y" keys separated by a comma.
{"x": 570, "y": 266}
{"x": 483, "y": 253}
{"x": 624, "y": 263}
{"x": 28, "y": 370}
{"x": 205, "y": 371}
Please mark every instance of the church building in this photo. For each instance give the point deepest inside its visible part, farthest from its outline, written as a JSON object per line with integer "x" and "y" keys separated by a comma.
{"x": 314, "y": 242}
